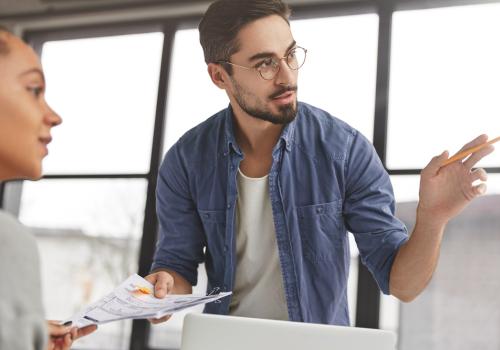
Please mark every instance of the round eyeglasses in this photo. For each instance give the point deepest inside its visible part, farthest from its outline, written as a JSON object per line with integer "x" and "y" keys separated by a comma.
{"x": 269, "y": 67}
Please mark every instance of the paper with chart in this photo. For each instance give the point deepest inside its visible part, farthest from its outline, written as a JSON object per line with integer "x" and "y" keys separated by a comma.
{"x": 134, "y": 299}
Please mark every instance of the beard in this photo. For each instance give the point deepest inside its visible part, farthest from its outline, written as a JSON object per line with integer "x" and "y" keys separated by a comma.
{"x": 285, "y": 114}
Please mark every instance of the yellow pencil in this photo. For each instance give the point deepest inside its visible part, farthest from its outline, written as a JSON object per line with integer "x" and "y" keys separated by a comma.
{"x": 471, "y": 150}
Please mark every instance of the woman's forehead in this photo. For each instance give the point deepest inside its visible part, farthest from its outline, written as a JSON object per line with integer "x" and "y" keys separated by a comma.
{"x": 20, "y": 56}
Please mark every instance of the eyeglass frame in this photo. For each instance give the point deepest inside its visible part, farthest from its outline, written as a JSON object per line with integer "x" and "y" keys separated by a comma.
{"x": 278, "y": 65}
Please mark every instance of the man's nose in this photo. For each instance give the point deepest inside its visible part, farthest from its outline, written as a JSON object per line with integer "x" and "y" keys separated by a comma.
{"x": 286, "y": 76}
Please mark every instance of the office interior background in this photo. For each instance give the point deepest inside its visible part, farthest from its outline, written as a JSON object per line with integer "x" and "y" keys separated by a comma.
{"x": 128, "y": 78}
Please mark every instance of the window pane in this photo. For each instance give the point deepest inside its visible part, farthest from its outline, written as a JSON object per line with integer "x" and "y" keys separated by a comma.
{"x": 340, "y": 72}
{"x": 88, "y": 233}
{"x": 405, "y": 187}
{"x": 445, "y": 82}
{"x": 192, "y": 97}
{"x": 406, "y": 192}
{"x": 105, "y": 89}
{"x": 468, "y": 259}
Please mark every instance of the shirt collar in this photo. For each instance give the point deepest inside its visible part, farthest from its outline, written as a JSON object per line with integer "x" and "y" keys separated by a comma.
{"x": 229, "y": 132}
{"x": 287, "y": 135}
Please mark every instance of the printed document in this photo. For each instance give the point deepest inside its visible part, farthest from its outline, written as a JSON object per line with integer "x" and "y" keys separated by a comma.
{"x": 134, "y": 298}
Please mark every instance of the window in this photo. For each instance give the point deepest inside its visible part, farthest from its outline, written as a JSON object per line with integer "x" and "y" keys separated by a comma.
{"x": 105, "y": 89}
{"x": 88, "y": 234}
{"x": 468, "y": 259}
{"x": 406, "y": 192}
{"x": 445, "y": 82}
{"x": 192, "y": 97}
{"x": 88, "y": 213}
{"x": 339, "y": 73}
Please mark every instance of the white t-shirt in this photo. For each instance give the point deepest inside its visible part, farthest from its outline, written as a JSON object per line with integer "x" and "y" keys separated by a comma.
{"x": 258, "y": 289}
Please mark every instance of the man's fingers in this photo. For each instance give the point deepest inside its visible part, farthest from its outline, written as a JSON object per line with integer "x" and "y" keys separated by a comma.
{"x": 480, "y": 189}
{"x": 159, "y": 320}
{"x": 435, "y": 164}
{"x": 476, "y": 142}
{"x": 478, "y": 174}
{"x": 164, "y": 284}
{"x": 477, "y": 156}
{"x": 151, "y": 278}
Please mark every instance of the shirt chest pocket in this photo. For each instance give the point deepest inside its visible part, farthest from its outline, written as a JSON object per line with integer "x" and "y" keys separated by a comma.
{"x": 322, "y": 230}
{"x": 214, "y": 222}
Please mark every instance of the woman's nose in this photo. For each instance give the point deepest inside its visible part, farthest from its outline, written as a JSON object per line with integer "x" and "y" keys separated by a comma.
{"x": 52, "y": 118}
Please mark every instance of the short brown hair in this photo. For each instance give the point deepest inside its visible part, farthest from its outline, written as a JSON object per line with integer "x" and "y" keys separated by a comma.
{"x": 4, "y": 47}
{"x": 225, "y": 18}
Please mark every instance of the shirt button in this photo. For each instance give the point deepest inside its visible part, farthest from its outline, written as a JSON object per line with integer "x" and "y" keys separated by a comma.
{"x": 229, "y": 206}
{"x": 207, "y": 216}
{"x": 319, "y": 210}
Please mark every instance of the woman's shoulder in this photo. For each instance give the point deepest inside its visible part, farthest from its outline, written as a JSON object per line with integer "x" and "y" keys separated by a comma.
{"x": 14, "y": 236}
{"x": 18, "y": 254}
{"x": 22, "y": 322}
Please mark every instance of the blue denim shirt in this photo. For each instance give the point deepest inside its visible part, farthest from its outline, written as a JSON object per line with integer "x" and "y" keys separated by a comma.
{"x": 326, "y": 179}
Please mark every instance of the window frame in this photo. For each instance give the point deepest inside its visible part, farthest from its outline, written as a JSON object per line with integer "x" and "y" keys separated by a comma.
{"x": 368, "y": 308}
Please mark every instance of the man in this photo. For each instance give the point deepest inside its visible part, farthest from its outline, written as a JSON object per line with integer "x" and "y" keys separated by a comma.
{"x": 265, "y": 191}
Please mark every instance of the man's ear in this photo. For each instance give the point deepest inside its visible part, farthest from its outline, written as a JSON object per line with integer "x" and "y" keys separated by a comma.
{"x": 217, "y": 74}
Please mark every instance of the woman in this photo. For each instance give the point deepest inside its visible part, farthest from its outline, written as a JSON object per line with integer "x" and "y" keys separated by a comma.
{"x": 25, "y": 124}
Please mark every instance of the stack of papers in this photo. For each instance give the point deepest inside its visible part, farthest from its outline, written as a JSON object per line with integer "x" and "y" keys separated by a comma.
{"x": 134, "y": 299}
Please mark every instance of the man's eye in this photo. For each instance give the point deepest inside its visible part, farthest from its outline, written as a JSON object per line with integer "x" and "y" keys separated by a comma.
{"x": 268, "y": 62}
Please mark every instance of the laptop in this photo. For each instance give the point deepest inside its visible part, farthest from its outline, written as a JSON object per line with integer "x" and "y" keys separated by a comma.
{"x": 215, "y": 332}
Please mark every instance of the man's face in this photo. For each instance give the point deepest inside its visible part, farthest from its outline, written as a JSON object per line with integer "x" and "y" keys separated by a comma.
{"x": 273, "y": 100}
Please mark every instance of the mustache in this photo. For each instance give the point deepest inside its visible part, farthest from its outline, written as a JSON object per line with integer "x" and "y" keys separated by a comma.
{"x": 282, "y": 91}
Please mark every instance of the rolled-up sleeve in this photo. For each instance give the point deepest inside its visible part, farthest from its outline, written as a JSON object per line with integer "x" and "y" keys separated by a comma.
{"x": 369, "y": 209}
{"x": 181, "y": 239}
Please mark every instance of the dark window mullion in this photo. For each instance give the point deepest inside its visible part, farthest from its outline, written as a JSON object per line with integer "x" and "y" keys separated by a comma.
{"x": 2, "y": 188}
{"x": 94, "y": 176}
{"x": 408, "y": 5}
{"x": 368, "y": 296}
{"x": 382, "y": 82}
{"x": 140, "y": 328}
